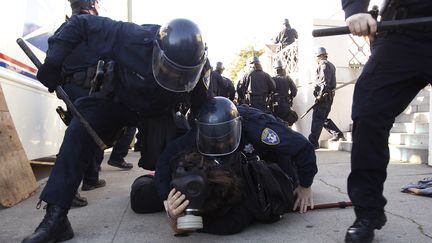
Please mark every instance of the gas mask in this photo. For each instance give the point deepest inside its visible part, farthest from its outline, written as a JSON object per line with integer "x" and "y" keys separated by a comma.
{"x": 192, "y": 182}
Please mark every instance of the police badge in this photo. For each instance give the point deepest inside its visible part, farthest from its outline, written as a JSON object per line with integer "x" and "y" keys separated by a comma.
{"x": 269, "y": 137}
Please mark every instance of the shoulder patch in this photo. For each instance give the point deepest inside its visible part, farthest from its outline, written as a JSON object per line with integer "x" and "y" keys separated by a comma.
{"x": 269, "y": 137}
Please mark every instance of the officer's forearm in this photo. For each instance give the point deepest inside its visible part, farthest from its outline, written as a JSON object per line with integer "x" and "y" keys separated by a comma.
{"x": 306, "y": 165}
{"x": 352, "y": 7}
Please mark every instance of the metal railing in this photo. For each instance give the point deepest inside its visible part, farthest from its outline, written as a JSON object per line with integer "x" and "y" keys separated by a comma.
{"x": 289, "y": 57}
{"x": 359, "y": 51}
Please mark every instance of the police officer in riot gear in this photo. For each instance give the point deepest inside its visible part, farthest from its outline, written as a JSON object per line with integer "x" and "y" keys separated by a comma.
{"x": 282, "y": 99}
{"x": 324, "y": 92}
{"x": 222, "y": 132}
{"x": 79, "y": 87}
{"x": 286, "y": 36}
{"x": 398, "y": 68}
{"x": 155, "y": 68}
{"x": 220, "y": 85}
{"x": 256, "y": 86}
{"x": 78, "y": 71}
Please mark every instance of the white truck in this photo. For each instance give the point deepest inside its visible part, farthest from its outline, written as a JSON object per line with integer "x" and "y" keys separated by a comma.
{"x": 31, "y": 106}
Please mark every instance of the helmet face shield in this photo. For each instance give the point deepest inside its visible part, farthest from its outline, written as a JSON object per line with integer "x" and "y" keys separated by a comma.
{"x": 172, "y": 76}
{"x": 220, "y": 138}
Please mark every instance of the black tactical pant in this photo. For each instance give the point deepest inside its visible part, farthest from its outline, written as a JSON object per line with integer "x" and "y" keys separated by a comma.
{"x": 259, "y": 102}
{"x": 121, "y": 147}
{"x": 91, "y": 174}
{"x": 78, "y": 149}
{"x": 283, "y": 110}
{"x": 399, "y": 67}
{"x": 320, "y": 120}
{"x": 156, "y": 133}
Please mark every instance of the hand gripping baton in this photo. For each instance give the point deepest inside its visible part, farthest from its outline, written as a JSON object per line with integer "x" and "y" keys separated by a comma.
{"x": 317, "y": 101}
{"x": 382, "y": 26}
{"x": 63, "y": 96}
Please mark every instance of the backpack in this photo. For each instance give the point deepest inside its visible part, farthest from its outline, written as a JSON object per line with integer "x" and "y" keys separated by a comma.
{"x": 269, "y": 190}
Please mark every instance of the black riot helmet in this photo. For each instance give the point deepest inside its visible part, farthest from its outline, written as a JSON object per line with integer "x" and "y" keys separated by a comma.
{"x": 254, "y": 60}
{"x": 218, "y": 127}
{"x": 278, "y": 64}
{"x": 78, "y": 6}
{"x": 179, "y": 56}
{"x": 220, "y": 66}
{"x": 321, "y": 51}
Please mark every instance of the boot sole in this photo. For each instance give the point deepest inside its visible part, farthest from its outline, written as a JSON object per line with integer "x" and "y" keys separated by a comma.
{"x": 65, "y": 236}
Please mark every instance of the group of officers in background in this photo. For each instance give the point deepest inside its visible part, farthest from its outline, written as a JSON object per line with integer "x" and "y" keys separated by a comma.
{"x": 275, "y": 94}
{"x": 259, "y": 90}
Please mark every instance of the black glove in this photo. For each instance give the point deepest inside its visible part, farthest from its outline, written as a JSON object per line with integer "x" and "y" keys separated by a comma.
{"x": 49, "y": 76}
{"x": 316, "y": 91}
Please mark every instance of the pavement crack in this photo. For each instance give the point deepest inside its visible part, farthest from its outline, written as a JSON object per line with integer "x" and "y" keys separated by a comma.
{"x": 120, "y": 221}
{"x": 333, "y": 186}
{"x": 419, "y": 226}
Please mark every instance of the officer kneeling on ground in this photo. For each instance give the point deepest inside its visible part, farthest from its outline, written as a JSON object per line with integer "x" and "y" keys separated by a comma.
{"x": 223, "y": 137}
{"x": 154, "y": 69}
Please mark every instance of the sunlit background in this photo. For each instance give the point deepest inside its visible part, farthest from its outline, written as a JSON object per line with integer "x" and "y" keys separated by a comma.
{"x": 228, "y": 25}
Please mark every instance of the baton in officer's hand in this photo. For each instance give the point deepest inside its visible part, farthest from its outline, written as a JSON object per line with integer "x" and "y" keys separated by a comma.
{"x": 317, "y": 101}
{"x": 382, "y": 26}
{"x": 63, "y": 96}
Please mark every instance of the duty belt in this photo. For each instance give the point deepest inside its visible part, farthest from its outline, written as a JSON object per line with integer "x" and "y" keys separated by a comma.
{"x": 395, "y": 12}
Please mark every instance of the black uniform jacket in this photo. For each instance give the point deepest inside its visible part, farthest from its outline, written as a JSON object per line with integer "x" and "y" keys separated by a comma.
{"x": 130, "y": 46}
{"x": 262, "y": 135}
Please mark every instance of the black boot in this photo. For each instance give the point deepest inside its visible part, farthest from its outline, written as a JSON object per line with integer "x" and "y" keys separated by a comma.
{"x": 54, "y": 227}
{"x": 79, "y": 201}
{"x": 338, "y": 137}
{"x": 120, "y": 164}
{"x": 362, "y": 231}
{"x": 87, "y": 186}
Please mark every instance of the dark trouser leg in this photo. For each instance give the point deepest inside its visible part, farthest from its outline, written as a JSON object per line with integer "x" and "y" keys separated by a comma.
{"x": 91, "y": 174}
{"x": 389, "y": 81}
{"x": 78, "y": 148}
{"x": 144, "y": 197}
{"x": 331, "y": 127}
{"x": 319, "y": 115}
{"x": 157, "y": 133}
{"x": 387, "y": 85}
{"x": 76, "y": 153}
{"x": 259, "y": 102}
{"x": 121, "y": 147}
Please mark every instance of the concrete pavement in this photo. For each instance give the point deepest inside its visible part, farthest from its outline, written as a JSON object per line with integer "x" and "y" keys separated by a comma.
{"x": 109, "y": 218}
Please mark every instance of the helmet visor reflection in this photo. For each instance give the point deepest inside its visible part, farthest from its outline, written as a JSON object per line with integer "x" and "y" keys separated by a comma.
{"x": 218, "y": 139}
{"x": 172, "y": 76}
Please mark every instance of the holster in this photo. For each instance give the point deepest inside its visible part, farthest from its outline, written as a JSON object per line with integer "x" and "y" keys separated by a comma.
{"x": 82, "y": 78}
{"x": 107, "y": 82}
